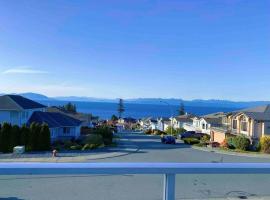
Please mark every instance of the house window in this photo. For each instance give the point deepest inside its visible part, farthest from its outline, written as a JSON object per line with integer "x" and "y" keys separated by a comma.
{"x": 244, "y": 125}
{"x": 234, "y": 124}
{"x": 203, "y": 126}
{"x": 66, "y": 130}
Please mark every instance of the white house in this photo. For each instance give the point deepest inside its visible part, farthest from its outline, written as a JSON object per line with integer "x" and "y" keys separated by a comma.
{"x": 154, "y": 124}
{"x": 17, "y": 110}
{"x": 181, "y": 120}
{"x": 145, "y": 123}
{"x": 204, "y": 123}
{"x": 163, "y": 123}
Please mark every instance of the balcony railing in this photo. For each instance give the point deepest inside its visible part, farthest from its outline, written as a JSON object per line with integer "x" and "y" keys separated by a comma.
{"x": 169, "y": 170}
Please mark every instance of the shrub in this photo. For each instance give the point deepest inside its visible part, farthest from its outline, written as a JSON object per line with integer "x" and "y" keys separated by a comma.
{"x": 90, "y": 146}
{"x": 24, "y": 138}
{"x": 158, "y": 132}
{"x": 241, "y": 143}
{"x": 205, "y": 139}
{"x": 5, "y": 138}
{"x": 76, "y": 147}
{"x": 34, "y": 134}
{"x": 191, "y": 141}
{"x": 44, "y": 139}
{"x": 94, "y": 139}
{"x": 106, "y": 134}
{"x": 224, "y": 144}
{"x": 265, "y": 144}
{"x": 149, "y": 131}
{"x": 230, "y": 142}
{"x": 68, "y": 144}
{"x": 181, "y": 130}
{"x": 14, "y": 136}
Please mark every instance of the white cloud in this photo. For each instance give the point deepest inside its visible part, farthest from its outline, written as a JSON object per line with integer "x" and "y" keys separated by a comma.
{"x": 24, "y": 70}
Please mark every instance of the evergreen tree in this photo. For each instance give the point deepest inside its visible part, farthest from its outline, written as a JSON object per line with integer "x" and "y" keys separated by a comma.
{"x": 44, "y": 138}
{"x": 34, "y": 134}
{"x": 182, "y": 109}
{"x": 121, "y": 108}
{"x": 14, "y": 136}
{"x": 114, "y": 118}
{"x": 5, "y": 138}
{"x": 25, "y": 134}
{"x": 69, "y": 107}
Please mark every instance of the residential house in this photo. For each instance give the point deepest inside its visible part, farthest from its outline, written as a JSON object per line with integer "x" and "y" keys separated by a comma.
{"x": 163, "y": 123}
{"x": 145, "y": 123}
{"x": 88, "y": 120}
{"x": 17, "y": 110}
{"x": 61, "y": 126}
{"x": 181, "y": 120}
{"x": 253, "y": 123}
{"x": 153, "y": 124}
{"x": 203, "y": 124}
{"x": 128, "y": 123}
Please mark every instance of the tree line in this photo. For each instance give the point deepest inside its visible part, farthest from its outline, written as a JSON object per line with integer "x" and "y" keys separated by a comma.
{"x": 35, "y": 138}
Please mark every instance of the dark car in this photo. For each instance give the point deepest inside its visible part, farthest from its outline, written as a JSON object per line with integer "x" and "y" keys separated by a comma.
{"x": 168, "y": 139}
{"x": 191, "y": 134}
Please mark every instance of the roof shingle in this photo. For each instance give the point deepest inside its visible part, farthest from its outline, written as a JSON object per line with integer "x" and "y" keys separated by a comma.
{"x": 16, "y": 102}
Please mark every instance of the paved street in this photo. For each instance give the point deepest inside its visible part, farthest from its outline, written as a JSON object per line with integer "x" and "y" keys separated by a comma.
{"x": 142, "y": 187}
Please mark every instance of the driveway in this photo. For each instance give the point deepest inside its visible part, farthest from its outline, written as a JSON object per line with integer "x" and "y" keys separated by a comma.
{"x": 142, "y": 187}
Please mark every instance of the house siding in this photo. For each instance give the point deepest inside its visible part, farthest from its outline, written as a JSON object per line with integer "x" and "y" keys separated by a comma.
{"x": 17, "y": 117}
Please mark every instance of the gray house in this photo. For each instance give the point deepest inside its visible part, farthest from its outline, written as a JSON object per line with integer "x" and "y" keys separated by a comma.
{"x": 61, "y": 126}
{"x": 17, "y": 110}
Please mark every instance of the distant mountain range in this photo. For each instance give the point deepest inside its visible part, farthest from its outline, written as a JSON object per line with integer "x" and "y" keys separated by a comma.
{"x": 156, "y": 101}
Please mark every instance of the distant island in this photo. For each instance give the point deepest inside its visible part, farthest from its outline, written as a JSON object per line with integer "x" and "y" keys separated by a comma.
{"x": 152, "y": 101}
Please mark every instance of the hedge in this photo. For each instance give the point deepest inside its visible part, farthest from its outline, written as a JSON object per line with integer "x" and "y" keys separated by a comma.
{"x": 191, "y": 141}
{"x": 35, "y": 138}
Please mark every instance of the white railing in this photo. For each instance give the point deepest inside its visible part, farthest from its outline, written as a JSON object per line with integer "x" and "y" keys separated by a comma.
{"x": 169, "y": 170}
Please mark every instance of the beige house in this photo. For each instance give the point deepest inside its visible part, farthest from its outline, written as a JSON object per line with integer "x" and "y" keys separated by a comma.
{"x": 253, "y": 123}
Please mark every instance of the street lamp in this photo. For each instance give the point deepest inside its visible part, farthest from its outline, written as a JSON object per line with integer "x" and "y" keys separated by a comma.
{"x": 171, "y": 114}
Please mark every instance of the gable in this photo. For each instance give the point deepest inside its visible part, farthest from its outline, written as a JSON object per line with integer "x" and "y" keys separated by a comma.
{"x": 18, "y": 103}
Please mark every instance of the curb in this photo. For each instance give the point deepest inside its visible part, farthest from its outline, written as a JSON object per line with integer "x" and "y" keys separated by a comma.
{"x": 83, "y": 158}
{"x": 231, "y": 153}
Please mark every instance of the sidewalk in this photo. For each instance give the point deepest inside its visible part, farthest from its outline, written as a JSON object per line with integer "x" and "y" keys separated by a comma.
{"x": 231, "y": 153}
{"x": 121, "y": 150}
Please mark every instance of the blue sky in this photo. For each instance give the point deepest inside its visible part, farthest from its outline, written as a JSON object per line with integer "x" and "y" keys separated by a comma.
{"x": 136, "y": 48}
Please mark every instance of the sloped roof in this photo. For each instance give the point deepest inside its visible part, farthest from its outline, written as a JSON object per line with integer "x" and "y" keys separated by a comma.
{"x": 184, "y": 118}
{"x": 16, "y": 102}
{"x": 257, "y": 113}
{"x": 259, "y": 109}
{"x": 53, "y": 119}
{"x": 164, "y": 119}
{"x": 79, "y": 116}
{"x": 214, "y": 115}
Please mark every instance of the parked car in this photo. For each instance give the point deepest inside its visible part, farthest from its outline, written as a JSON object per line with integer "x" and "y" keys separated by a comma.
{"x": 191, "y": 134}
{"x": 168, "y": 139}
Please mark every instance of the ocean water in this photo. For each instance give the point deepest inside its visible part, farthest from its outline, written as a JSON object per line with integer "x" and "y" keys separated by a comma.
{"x": 106, "y": 110}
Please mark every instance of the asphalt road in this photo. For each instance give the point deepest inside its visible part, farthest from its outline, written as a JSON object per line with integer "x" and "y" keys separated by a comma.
{"x": 142, "y": 187}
